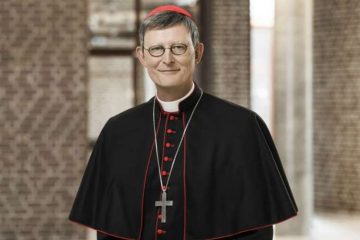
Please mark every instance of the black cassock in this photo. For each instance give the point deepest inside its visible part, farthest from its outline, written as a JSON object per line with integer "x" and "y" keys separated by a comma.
{"x": 227, "y": 181}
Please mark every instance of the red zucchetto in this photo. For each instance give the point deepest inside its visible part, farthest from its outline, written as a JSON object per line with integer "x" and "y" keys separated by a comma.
{"x": 171, "y": 8}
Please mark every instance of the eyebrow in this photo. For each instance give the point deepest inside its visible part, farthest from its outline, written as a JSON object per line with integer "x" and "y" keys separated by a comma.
{"x": 161, "y": 45}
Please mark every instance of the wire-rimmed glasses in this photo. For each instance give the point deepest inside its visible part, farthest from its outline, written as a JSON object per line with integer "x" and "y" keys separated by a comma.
{"x": 158, "y": 50}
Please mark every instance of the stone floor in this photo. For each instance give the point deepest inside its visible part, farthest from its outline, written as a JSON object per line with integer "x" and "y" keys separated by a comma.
{"x": 331, "y": 227}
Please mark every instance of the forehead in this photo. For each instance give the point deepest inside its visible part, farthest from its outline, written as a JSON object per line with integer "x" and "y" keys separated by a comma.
{"x": 169, "y": 35}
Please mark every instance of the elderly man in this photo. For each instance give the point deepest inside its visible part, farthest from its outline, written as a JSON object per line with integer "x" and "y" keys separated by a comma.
{"x": 185, "y": 164}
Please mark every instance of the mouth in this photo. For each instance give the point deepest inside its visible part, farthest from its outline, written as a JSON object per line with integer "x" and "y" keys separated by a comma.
{"x": 169, "y": 70}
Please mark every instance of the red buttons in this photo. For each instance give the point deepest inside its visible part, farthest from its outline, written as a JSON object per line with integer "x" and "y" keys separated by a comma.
{"x": 164, "y": 173}
{"x": 168, "y": 145}
{"x": 166, "y": 159}
{"x": 160, "y": 232}
{"x": 172, "y": 117}
{"x": 170, "y": 131}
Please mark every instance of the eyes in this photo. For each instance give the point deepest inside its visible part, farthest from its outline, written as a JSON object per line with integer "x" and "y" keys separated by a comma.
{"x": 158, "y": 50}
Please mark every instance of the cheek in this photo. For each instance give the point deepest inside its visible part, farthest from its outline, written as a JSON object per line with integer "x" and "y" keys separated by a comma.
{"x": 151, "y": 63}
{"x": 188, "y": 62}
{"x": 151, "y": 71}
{"x": 153, "y": 74}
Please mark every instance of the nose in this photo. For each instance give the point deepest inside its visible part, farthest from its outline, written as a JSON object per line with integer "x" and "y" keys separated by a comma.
{"x": 168, "y": 57}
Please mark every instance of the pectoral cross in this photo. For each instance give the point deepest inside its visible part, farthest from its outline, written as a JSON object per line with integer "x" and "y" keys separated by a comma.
{"x": 163, "y": 204}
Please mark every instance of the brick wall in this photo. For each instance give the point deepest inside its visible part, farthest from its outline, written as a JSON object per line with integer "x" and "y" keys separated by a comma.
{"x": 226, "y": 67}
{"x": 337, "y": 105}
{"x": 42, "y": 116}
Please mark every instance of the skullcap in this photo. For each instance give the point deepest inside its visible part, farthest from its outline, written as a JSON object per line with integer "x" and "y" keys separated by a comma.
{"x": 171, "y": 8}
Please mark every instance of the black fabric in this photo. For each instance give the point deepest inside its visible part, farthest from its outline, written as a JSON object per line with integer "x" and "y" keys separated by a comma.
{"x": 261, "y": 234}
{"x": 228, "y": 177}
{"x": 175, "y": 214}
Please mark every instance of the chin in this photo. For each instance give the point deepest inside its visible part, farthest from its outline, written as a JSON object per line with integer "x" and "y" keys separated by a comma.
{"x": 169, "y": 84}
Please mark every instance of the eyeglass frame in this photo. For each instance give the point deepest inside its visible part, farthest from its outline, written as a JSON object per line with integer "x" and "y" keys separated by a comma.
{"x": 164, "y": 49}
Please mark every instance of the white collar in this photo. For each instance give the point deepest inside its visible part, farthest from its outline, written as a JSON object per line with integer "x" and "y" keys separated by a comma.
{"x": 173, "y": 106}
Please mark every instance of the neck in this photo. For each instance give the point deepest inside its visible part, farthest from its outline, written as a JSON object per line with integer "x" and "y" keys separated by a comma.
{"x": 173, "y": 106}
{"x": 173, "y": 94}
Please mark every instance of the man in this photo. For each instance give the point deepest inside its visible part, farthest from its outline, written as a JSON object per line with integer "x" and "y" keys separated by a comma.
{"x": 185, "y": 164}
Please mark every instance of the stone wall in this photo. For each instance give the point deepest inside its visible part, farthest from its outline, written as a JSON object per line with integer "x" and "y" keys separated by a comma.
{"x": 337, "y": 105}
{"x": 226, "y": 66}
{"x": 43, "y": 116}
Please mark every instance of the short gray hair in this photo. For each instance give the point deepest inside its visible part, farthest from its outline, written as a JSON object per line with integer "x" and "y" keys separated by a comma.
{"x": 167, "y": 19}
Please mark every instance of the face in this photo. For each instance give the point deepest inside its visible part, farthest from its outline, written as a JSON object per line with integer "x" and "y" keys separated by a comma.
{"x": 169, "y": 70}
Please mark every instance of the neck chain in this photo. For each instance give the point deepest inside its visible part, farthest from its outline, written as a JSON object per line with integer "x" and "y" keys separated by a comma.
{"x": 164, "y": 202}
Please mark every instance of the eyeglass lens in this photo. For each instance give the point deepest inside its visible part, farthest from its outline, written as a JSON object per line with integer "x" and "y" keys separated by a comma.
{"x": 176, "y": 49}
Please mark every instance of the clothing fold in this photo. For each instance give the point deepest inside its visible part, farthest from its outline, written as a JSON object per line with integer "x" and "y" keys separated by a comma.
{"x": 233, "y": 180}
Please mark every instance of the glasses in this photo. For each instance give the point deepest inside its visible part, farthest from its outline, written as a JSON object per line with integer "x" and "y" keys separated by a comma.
{"x": 176, "y": 49}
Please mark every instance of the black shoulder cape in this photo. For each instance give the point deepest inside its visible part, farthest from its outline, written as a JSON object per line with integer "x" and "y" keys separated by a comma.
{"x": 234, "y": 178}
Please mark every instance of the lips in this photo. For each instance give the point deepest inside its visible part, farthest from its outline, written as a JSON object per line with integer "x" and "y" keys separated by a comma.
{"x": 169, "y": 70}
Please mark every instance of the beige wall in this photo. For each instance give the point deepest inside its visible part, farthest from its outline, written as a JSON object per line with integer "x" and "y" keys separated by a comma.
{"x": 43, "y": 116}
{"x": 227, "y": 53}
{"x": 337, "y": 105}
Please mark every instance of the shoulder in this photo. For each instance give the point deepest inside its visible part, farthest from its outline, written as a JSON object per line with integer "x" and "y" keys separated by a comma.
{"x": 232, "y": 119}
{"x": 223, "y": 119}
{"x": 131, "y": 118}
{"x": 225, "y": 109}
{"x": 133, "y": 112}
{"x": 226, "y": 116}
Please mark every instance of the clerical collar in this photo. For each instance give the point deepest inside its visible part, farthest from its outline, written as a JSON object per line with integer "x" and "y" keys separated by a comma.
{"x": 173, "y": 106}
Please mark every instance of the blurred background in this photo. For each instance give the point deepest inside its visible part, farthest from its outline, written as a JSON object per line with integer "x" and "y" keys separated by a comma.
{"x": 67, "y": 66}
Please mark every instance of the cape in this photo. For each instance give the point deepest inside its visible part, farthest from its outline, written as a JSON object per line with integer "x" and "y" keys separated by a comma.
{"x": 232, "y": 177}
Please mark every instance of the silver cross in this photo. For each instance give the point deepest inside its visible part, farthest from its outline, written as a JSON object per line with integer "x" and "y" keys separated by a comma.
{"x": 163, "y": 204}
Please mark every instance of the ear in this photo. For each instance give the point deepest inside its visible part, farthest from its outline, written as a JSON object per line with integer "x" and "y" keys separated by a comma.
{"x": 140, "y": 55}
{"x": 199, "y": 50}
